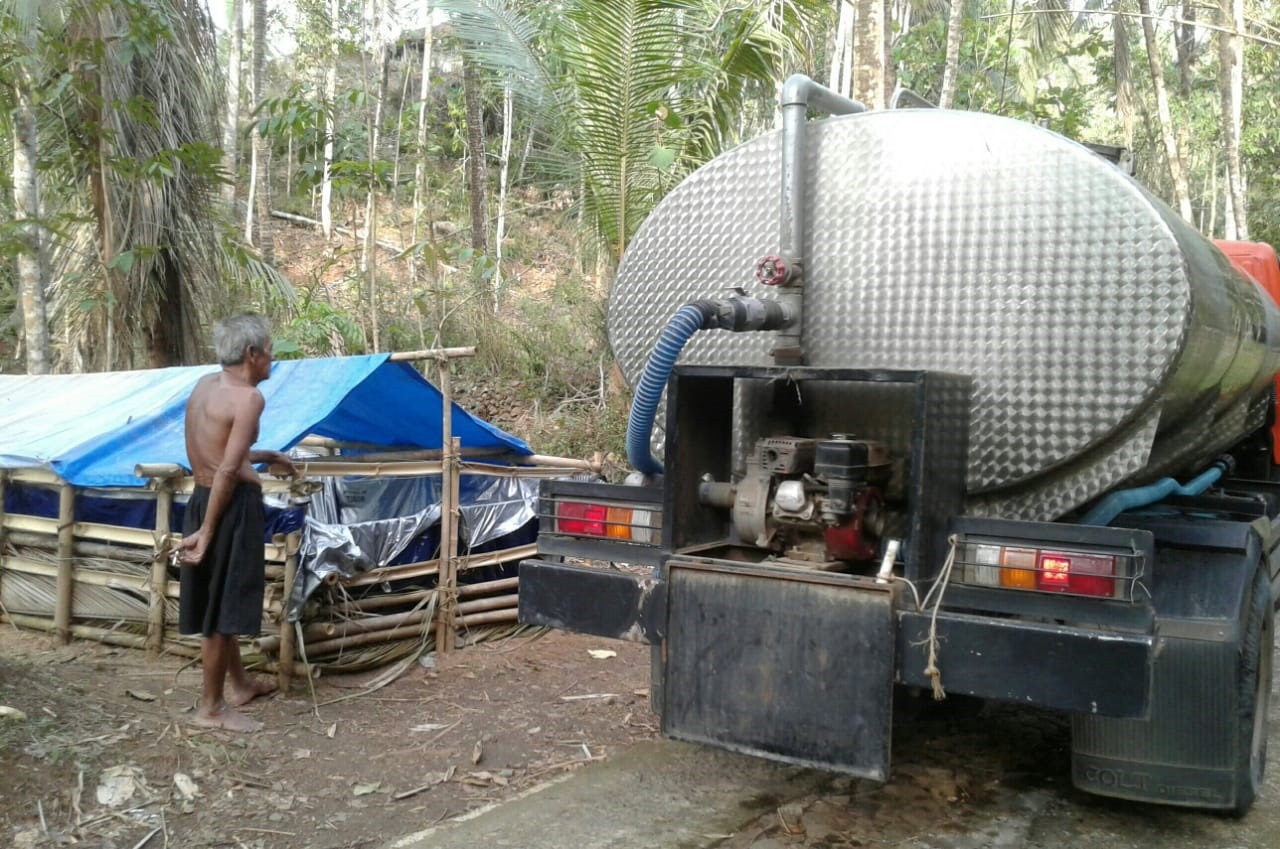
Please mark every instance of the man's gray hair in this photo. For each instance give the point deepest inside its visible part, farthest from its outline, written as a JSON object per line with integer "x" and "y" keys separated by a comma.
{"x": 234, "y": 334}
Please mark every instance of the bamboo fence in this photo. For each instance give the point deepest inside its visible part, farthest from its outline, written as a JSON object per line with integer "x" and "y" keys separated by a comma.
{"x": 116, "y": 585}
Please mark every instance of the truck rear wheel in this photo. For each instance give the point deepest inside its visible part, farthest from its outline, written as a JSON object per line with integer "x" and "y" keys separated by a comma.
{"x": 1254, "y": 692}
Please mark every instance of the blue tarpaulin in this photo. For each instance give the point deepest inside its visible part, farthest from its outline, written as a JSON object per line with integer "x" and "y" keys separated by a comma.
{"x": 92, "y": 429}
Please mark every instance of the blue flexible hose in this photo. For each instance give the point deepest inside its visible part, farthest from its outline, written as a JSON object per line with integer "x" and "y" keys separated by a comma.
{"x": 687, "y": 321}
{"x": 1127, "y": 499}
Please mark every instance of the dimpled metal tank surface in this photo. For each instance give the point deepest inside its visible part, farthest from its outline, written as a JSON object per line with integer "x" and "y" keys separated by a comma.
{"x": 1109, "y": 342}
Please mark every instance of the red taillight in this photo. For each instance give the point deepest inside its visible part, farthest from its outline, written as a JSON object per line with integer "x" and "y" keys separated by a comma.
{"x": 1080, "y": 574}
{"x": 574, "y": 517}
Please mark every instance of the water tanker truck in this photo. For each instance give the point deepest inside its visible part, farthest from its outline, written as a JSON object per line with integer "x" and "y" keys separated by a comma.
{"x": 937, "y": 402}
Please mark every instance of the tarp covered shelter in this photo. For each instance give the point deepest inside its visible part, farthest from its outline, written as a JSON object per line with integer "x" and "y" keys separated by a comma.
{"x": 92, "y": 429}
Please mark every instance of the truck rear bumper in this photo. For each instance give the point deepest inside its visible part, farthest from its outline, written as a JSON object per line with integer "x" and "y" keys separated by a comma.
{"x": 1075, "y": 669}
{"x": 1081, "y": 670}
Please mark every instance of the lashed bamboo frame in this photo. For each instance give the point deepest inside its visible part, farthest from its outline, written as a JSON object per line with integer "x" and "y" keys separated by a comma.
{"x": 74, "y": 541}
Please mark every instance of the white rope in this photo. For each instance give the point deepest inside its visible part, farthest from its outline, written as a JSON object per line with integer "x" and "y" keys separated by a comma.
{"x": 940, "y": 587}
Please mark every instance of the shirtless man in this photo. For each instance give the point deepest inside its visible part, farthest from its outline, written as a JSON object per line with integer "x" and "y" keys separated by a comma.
{"x": 222, "y": 545}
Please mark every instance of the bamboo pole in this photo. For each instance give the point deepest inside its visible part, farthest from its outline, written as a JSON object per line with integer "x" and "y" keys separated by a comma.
{"x": 432, "y": 567}
{"x": 447, "y": 581}
{"x": 325, "y": 631}
{"x": 284, "y": 669}
{"x": 488, "y": 587}
{"x": 491, "y": 617}
{"x": 112, "y": 580}
{"x": 324, "y": 647}
{"x": 38, "y": 476}
{"x": 375, "y": 453}
{"x": 391, "y": 469}
{"x": 4, "y": 479}
{"x": 442, "y": 354}
{"x": 378, "y": 602}
{"x": 140, "y": 537}
{"x": 493, "y": 603}
{"x": 105, "y": 551}
{"x": 159, "y": 470}
{"x": 66, "y": 566}
{"x": 160, "y": 568}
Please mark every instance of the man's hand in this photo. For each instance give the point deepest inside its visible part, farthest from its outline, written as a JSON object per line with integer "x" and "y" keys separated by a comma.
{"x": 283, "y": 461}
{"x": 192, "y": 548}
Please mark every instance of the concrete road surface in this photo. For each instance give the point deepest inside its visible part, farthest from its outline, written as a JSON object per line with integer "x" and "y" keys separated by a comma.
{"x": 962, "y": 779}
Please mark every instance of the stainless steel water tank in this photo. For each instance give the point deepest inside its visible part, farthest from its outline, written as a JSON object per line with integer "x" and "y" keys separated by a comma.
{"x": 1108, "y": 340}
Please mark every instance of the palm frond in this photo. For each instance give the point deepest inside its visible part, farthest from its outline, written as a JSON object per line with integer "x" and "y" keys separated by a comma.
{"x": 749, "y": 50}
{"x": 626, "y": 63}
{"x": 1047, "y": 25}
{"x": 501, "y": 40}
{"x": 151, "y": 258}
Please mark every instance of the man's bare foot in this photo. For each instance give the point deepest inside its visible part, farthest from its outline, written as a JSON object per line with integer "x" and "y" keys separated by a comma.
{"x": 228, "y": 719}
{"x": 252, "y": 689}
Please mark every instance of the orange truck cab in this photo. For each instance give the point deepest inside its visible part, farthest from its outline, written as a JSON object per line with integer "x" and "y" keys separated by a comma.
{"x": 1259, "y": 261}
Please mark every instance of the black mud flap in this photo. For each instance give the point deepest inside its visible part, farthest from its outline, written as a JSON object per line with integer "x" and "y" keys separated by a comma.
{"x": 788, "y": 664}
{"x": 587, "y": 600}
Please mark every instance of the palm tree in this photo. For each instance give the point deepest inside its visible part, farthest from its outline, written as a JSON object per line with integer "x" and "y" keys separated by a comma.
{"x": 146, "y": 263}
{"x": 646, "y": 89}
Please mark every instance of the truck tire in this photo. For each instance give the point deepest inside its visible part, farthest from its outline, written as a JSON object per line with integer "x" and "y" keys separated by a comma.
{"x": 1254, "y": 691}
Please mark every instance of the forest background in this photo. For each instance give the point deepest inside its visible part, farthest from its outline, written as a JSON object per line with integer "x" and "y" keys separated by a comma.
{"x": 383, "y": 175}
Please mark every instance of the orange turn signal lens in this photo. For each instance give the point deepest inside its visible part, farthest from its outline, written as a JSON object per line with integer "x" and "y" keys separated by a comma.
{"x": 1018, "y": 568}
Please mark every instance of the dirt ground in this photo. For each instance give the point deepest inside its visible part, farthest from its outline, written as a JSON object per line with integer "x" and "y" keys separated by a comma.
{"x": 96, "y": 750}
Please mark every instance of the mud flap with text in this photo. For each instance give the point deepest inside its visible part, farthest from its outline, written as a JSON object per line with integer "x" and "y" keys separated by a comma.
{"x": 790, "y": 664}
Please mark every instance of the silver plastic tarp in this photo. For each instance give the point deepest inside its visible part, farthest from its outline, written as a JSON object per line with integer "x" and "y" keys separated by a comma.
{"x": 357, "y": 524}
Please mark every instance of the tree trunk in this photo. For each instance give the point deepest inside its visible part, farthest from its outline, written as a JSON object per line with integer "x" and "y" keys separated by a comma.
{"x": 231, "y": 133}
{"x": 330, "y": 103}
{"x": 475, "y": 156}
{"x": 1231, "y": 82}
{"x": 840, "y": 77}
{"x": 420, "y": 211}
{"x": 163, "y": 337}
{"x": 870, "y": 53}
{"x": 1185, "y": 41}
{"x": 1177, "y": 168}
{"x": 507, "y": 120}
{"x": 258, "y": 217}
{"x": 33, "y": 265}
{"x": 369, "y": 256}
{"x": 951, "y": 64}
{"x": 1124, "y": 77}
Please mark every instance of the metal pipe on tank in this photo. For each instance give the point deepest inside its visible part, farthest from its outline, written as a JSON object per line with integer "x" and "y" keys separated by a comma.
{"x": 798, "y": 94}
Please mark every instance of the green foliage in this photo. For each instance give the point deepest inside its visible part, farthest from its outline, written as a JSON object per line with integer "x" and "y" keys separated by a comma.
{"x": 998, "y": 74}
{"x": 318, "y": 330}
{"x": 645, "y": 90}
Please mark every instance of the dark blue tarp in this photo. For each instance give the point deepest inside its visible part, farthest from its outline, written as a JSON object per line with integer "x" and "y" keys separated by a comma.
{"x": 92, "y": 429}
